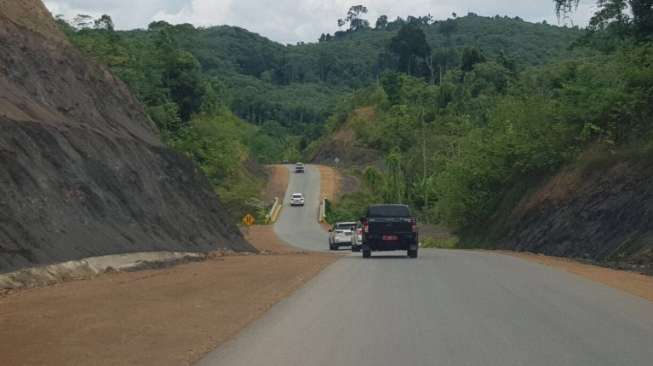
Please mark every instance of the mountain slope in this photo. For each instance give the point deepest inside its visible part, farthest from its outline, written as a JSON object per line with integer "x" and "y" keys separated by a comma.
{"x": 83, "y": 170}
{"x": 597, "y": 210}
{"x": 298, "y": 85}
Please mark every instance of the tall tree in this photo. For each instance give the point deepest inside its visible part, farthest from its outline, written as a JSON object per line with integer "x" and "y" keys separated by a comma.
{"x": 447, "y": 29}
{"x": 382, "y": 22}
{"x": 443, "y": 59}
{"x": 181, "y": 76}
{"x": 83, "y": 21}
{"x": 445, "y": 56}
{"x": 471, "y": 57}
{"x": 354, "y": 18}
{"x": 412, "y": 49}
{"x": 623, "y": 17}
{"x": 104, "y": 23}
{"x": 643, "y": 17}
{"x": 396, "y": 182}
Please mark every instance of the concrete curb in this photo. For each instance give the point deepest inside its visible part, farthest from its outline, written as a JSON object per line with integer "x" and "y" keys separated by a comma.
{"x": 91, "y": 267}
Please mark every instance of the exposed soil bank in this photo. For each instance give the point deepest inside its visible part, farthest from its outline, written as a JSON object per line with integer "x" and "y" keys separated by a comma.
{"x": 278, "y": 176}
{"x": 599, "y": 210}
{"x": 341, "y": 147}
{"x": 330, "y": 180}
{"x": 156, "y": 317}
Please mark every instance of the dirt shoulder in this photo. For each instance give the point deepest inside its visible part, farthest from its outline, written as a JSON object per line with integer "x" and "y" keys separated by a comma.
{"x": 330, "y": 185}
{"x": 158, "y": 317}
{"x": 267, "y": 242}
{"x": 170, "y": 316}
{"x": 633, "y": 283}
{"x": 330, "y": 181}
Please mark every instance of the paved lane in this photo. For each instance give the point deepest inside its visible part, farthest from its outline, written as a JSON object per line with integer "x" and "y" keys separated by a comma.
{"x": 447, "y": 308}
{"x": 298, "y": 225}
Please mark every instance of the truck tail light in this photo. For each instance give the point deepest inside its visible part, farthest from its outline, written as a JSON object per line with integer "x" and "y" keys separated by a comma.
{"x": 366, "y": 227}
{"x": 414, "y": 224}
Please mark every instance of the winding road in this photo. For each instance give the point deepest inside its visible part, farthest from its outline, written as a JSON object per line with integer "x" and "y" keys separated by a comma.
{"x": 447, "y": 308}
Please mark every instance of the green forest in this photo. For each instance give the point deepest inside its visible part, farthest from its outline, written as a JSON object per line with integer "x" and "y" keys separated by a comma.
{"x": 462, "y": 149}
{"x": 467, "y": 110}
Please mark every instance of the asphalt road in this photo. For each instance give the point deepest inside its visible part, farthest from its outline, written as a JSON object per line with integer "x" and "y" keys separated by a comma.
{"x": 446, "y": 308}
{"x": 298, "y": 226}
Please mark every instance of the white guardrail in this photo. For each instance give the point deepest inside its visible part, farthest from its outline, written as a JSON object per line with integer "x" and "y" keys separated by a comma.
{"x": 272, "y": 217}
{"x": 322, "y": 212}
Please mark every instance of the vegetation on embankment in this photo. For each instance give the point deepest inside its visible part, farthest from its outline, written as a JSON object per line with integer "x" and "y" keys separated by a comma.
{"x": 481, "y": 149}
{"x": 228, "y": 98}
{"x": 462, "y": 118}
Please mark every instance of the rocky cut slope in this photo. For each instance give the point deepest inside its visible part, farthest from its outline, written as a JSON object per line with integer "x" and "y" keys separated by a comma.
{"x": 82, "y": 169}
{"x": 599, "y": 210}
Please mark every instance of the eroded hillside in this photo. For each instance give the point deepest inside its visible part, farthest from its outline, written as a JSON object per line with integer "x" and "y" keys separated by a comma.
{"x": 83, "y": 172}
{"x": 597, "y": 210}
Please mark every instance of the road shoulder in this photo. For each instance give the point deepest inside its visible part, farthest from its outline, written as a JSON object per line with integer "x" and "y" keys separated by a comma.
{"x": 633, "y": 283}
{"x": 170, "y": 316}
{"x": 156, "y": 317}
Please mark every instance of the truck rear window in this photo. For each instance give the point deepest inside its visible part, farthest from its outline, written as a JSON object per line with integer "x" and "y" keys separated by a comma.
{"x": 388, "y": 211}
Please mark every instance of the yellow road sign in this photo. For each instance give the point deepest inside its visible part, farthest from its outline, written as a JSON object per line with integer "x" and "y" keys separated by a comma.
{"x": 249, "y": 220}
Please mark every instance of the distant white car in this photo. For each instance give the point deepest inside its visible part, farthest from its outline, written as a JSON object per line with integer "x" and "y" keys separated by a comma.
{"x": 342, "y": 235}
{"x": 299, "y": 168}
{"x": 297, "y": 199}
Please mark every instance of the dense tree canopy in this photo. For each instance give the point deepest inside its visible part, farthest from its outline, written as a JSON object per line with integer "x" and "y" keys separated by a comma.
{"x": 225, "y": 96}
{"x": 468, "y": 146}
{"x": 621, "y": 17}
{"x": 354, "y": 18}
{"x": 411, "y": 49}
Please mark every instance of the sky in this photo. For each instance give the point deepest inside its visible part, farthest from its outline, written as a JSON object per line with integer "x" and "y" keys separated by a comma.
{"x": 291, "y": 21}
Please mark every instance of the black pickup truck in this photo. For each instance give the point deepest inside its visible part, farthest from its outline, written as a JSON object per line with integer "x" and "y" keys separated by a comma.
{"x": 389, "y": 228}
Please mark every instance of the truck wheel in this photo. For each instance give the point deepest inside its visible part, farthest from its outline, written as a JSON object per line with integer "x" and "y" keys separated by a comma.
{"x": 412, "y": 253}
{"x": 367, "y": 253}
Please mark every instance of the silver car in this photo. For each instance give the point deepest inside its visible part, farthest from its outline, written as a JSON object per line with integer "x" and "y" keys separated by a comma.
{"x": 342, "y": 235}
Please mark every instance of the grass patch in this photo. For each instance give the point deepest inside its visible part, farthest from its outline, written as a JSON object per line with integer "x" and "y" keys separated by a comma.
{"x": 440, "y": 243}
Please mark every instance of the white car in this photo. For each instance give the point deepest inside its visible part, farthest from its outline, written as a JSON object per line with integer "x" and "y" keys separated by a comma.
{"x": 342, "y": 235}
{"x": 299, "y": 168}
{"x": 297, "y": 199}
